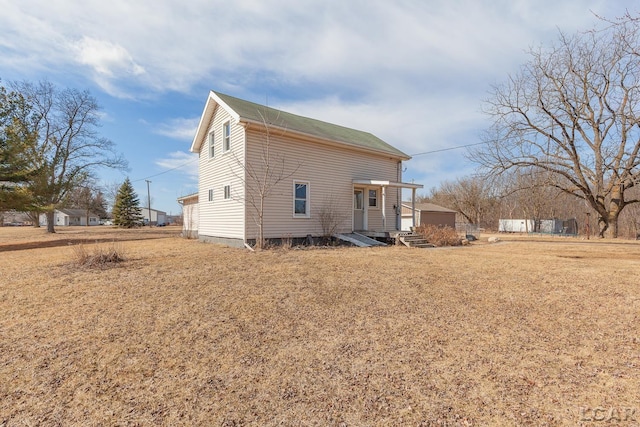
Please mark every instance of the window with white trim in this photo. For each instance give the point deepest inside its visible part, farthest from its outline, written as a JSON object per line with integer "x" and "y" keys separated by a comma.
{"x": 227, "y": 192}
{"x": 211, "y": 195}
{"x": 373, "y": 198}
{"x": 301, "y": 199}
{"x": 226, "y": 136}
{"x": 212, "y": 139}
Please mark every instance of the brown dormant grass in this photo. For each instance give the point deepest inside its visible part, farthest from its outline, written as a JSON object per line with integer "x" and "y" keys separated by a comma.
{"x": 186, "y": 333}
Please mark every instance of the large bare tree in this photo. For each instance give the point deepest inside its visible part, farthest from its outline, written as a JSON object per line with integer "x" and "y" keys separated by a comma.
{"x": 69, "y": 149}
{"x": 573, "y": 111}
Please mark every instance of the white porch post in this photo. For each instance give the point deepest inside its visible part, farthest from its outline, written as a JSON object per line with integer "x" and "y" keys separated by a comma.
{"x": 365, "y": 210}
{"x": 413, "y": 207}
{"x": 384, "y": 205}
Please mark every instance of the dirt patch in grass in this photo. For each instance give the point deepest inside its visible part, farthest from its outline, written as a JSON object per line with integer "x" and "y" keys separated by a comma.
{"x": 23, "y": 238}
{"x": 186, "y": 333}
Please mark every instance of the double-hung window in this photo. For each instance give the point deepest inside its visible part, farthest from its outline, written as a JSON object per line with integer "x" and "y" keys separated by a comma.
{"x": 373, "y": 198}
{"x": 226, "y": 136}
{"x": 227, "y": 192}
{"x": 301, "y": 199}
{"x": 212, "y": 139}
{"x": 211, "y": 195}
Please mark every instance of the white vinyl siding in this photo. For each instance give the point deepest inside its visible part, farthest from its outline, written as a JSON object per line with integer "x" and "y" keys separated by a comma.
{"x": 222, "y": 219}
{"x": 330, "y": 171}
{"x": 190, "y": 217}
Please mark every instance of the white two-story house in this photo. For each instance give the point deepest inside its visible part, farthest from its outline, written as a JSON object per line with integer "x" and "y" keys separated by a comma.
{"x": 291, "y": 176}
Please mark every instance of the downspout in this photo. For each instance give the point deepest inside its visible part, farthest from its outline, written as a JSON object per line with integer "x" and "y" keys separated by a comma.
{"x": 399, "y": 198}
{"x": 245, "y": 128}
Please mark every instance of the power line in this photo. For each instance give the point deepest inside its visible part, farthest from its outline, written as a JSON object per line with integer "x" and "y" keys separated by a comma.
{"x": 168, "y": 170}
{"x": 412, "y": 155}
{"x": 447, "y": 149}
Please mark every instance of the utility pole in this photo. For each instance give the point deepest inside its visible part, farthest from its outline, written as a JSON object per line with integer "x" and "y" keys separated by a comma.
{"x": 149, "y": 201}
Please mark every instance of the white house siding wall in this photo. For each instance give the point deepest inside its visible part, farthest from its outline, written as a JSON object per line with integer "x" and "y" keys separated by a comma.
{"x": 58, "y": 219}
{"x": 190, "y": 217}
{"x": 220, "y": 217}
{"x": 330, "y": 171}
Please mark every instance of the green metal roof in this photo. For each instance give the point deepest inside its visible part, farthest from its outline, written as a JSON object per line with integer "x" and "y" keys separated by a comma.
{"x": 292, "y": 122}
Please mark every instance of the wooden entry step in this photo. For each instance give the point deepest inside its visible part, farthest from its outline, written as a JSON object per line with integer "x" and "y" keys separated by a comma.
{"x": 413, "y": 240}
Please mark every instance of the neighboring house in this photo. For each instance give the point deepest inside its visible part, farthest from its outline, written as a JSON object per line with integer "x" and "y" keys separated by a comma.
{"x": 320, "y": 173}
{"x": 156, "y": 217}
{"x": 67, "y": 217}
{"x": 14, "y": 218}
{"x": 190, "y": 216}
{"x": 427, "y": 214}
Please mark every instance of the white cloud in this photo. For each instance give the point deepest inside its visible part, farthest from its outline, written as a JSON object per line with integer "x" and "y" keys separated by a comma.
{"x": 179, "y": 128}
{"x": 172, "y": 45}
{"x": 185, "y": 162}
{"x": 109, "y": 62}
{"x": 413, "y": 72}
{"x": 106, "y": 58}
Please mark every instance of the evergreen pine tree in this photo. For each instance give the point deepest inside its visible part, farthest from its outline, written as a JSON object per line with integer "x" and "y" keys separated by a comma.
{"x": 126, "y": 209}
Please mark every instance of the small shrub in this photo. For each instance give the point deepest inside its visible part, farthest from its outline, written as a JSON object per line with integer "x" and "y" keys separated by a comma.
{"x": 439, "y": 236}
{"x": 100, "y": 257}
{"x": 286, "y": 242}
{"x": 330, "y": 216}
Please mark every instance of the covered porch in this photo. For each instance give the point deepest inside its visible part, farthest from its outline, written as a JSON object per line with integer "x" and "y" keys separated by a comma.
{"x": 371, "y": 202}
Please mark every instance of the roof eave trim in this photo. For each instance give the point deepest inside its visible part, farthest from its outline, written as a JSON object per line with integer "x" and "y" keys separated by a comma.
{"x": 383, "y": 183}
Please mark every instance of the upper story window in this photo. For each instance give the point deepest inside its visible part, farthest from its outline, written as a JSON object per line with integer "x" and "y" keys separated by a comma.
{"x": 226, "y": 136}
{"x": 373, "y": 198}
{"x": 211, "y": 195}
{"x": 212, "y": 144}
{"x": 301, "y": 199}
{"x": 227, "y": 191}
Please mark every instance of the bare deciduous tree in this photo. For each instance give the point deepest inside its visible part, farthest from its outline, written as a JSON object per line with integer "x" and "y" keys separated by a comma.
{"x": 471, "y": 197}
{"x": 261, "y": 178}
{"x": 69, "y": 148}
{"x": 88, "y": 198}
{"x": 530, "y": 191}
{"x": 573, "y": 111}
{"x": 331, "y": 216}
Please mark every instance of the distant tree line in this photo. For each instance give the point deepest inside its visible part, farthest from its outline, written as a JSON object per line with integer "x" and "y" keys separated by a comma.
{"x": 523, "y": 194}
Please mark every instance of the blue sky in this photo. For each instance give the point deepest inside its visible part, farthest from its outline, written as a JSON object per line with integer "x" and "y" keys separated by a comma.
{"x": 412, "y": 72}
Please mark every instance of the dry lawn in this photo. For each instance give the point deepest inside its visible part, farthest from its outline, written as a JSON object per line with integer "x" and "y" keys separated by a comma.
{"x": 525, "y": 332}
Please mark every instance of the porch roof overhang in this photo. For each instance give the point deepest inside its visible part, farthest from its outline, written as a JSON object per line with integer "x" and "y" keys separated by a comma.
{"x": 382, "y": 183}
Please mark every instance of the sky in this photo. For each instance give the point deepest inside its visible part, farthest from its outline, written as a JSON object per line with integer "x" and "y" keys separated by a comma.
{"x": 415, "y": 73}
